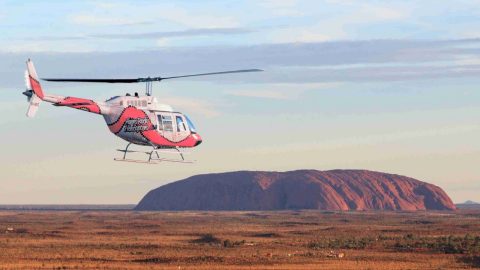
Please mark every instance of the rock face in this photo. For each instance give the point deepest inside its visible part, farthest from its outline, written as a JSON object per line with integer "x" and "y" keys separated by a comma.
{"x": 302, "y": 189}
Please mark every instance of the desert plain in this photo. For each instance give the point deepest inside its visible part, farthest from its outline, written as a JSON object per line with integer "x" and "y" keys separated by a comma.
{"x": 240, "y": 240}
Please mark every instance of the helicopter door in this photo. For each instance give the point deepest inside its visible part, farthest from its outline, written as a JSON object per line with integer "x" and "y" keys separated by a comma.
{"x": 165, "y": 125}
{"x": 180, "y": 128}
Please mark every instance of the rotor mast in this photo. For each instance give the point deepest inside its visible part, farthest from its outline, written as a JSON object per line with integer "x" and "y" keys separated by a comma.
{"x": 148, "y": 88}
{"x": 149, "y": 84}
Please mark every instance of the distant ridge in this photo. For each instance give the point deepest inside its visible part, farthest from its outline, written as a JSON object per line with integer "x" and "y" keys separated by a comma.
{"x": 470, "y": 202}
{"x": 468, "y": 205}
{"x": 302, "y": 189}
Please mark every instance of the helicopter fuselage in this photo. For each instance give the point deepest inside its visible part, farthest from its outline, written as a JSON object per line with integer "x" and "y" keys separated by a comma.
{"x": 138, "y": 119}
{"x": 144, "y": 121}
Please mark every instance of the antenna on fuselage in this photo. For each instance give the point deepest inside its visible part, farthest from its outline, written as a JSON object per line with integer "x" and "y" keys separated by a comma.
{"x": 148, "y": 80}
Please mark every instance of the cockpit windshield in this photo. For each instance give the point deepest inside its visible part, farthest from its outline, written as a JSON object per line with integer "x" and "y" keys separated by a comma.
{"x": 190, "y": 124}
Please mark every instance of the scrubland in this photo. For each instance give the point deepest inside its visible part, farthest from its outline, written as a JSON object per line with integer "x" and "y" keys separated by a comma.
{"x": 239, "y": 240}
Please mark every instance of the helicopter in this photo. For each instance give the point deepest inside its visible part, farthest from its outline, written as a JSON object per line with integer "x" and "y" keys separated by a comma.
{"x": 139, "y": 120}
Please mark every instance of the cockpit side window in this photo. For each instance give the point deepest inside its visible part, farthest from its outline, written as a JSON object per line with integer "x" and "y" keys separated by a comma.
{"x": 160, "y": 124}
{"x": 180, "y": 124}
{"x": 167, "y": 123}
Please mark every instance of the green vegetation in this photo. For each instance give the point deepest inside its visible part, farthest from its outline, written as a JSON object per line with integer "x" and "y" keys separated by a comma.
{"x": 342, "y": 243}
{"x": 467, "y": 244}
{"x": 212, "y": 240}
{"x": 207, "y": 239}
{"x": 229, "y": 243}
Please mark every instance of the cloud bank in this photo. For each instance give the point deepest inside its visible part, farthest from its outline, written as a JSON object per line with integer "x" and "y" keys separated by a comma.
{"x": 340, "y": 61}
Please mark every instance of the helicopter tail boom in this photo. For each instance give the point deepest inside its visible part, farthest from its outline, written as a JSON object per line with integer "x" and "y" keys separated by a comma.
{"x": 35, "y": 96}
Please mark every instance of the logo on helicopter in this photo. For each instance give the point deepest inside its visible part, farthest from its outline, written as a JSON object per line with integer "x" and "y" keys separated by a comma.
{"x": 136, "y": 125}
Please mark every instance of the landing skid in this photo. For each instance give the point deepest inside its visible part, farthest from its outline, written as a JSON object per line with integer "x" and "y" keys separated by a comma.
{"x": 154, "y": 159}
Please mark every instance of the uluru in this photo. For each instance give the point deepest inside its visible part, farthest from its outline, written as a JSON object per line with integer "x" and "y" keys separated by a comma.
{"x": 301, "y": 189}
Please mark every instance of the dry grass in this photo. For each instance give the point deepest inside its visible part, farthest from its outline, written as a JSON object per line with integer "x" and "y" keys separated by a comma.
{"x": 239, "y": 240}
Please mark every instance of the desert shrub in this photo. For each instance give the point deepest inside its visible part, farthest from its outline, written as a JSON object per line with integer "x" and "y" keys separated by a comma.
{"x": 229, "y": 243}
{"x": 203, "y": 259}
{"x": 383, "y": 237}
{"x": 21, "y": 230}
{"x": 154, "y": 260}
{"x": 473, "y": 261}
{"x": 459, "y": 245}
{"x": 446, "y": 244}
{"x": 342, "y": 243}
{"x": 267, "y": 235}
{"x": 420, "y": 222}
{"x": 207, "y": 239}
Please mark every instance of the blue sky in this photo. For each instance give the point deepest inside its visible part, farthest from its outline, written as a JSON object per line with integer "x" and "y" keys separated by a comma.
{"x": 379, "y": 85}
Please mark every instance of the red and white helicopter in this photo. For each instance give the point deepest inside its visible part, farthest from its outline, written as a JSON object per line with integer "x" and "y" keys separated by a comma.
{"x": 139, "y": 120}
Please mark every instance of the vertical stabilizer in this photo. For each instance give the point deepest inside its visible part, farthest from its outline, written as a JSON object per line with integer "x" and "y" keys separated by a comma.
{"x": 33, "y": 80}
{"x": 34, "y": 90}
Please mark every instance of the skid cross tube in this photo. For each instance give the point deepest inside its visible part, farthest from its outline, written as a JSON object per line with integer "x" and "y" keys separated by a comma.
{"x": 126, "y": 150}
{"x": 151, "y": 159}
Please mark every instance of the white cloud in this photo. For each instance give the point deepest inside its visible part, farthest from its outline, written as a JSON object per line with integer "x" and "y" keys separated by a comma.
{"x": 302, "y": 34}
{"x": 98, "y": 20}
{"x": 307, "y": 35}
{"x": 373, "y": 13}
{"x": 105, "y": 5}
{"x": 163, "y": 42}
{"x": 195, "y": 19}
{"x": 336, "y": 26}
{"x": 261, "y": 94}
{"x": 279, "y": 91}
{"x": 279, "y": 3}
{"x": 282, "y": 7}
{"x": 46, "y": 46}
{"x": 192, "y": 105}
{"x": 151, "y": 13}
{"x": 373, "y": 139}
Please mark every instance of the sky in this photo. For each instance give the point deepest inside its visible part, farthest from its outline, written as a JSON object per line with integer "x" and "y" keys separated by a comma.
{"x": 389, "y": 86}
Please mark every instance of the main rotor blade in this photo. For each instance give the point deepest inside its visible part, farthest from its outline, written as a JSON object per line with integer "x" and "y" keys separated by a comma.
{"x": 93, "y": 80}
{"x": 213, "y": 73}
{"x": 147, "y": 79}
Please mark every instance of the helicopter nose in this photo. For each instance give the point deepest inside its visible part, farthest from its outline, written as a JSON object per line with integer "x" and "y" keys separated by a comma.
{"x": 198, "y": 139}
